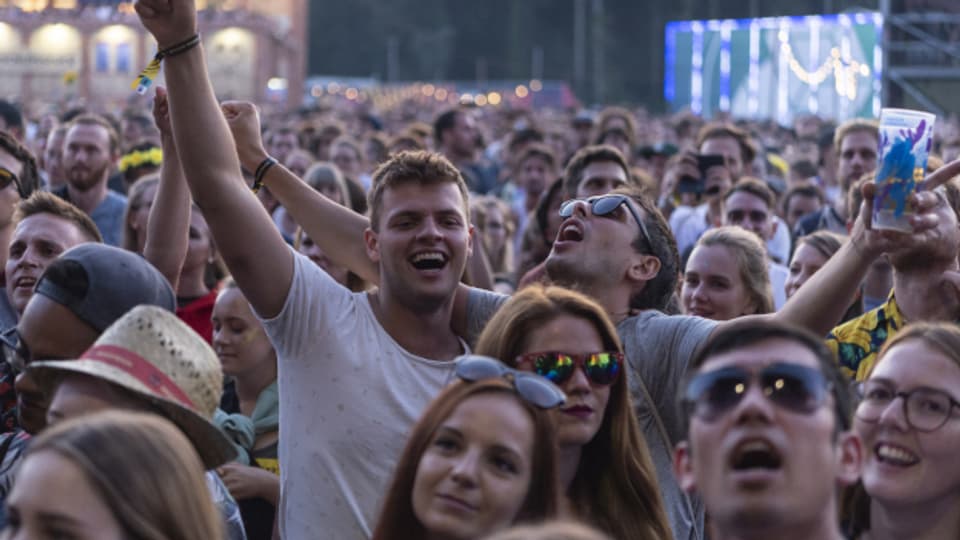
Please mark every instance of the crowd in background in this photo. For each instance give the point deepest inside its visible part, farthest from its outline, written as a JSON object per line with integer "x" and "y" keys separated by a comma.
{"x": 467, "y": 322}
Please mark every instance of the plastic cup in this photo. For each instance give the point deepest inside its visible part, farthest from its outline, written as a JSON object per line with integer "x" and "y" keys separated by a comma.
{"x": 905, "y": 140}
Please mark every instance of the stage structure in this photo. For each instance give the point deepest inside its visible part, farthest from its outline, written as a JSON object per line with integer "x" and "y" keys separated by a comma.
{"x": 777, "y": 68}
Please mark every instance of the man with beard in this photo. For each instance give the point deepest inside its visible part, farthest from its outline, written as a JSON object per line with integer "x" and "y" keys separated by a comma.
{"x": 922, "y": 291}
{"x": 89, "y": 151}
{"x": 456, "y": 135}
{"x": 855, "y": 143}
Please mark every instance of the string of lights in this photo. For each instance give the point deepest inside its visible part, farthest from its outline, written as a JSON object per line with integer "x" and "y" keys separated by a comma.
{"x": 845, "y": 73}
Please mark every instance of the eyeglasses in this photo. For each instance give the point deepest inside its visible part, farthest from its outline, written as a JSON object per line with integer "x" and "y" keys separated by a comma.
{"x": 796, "y": 388}
{"x": 532, "y": 388}
{"x": 925, "y": 409}
{"x": 15, "y": 352}
{"x": 605, "y": 205}
{"x": 601, "y": 368}
{"x": 7, "y": 177}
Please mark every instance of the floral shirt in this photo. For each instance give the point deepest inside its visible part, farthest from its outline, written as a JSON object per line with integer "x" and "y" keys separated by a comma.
{"x": 856, "y": 342}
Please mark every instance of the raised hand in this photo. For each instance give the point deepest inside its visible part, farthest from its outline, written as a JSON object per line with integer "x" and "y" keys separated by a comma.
{"x": 170, "y": 21}
{"x": 244, "y": 121}
{"x": 161, "y": 113}
{"x": 924, "y": 221}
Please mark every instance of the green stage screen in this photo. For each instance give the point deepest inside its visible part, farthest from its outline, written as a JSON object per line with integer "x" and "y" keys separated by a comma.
{"x": 776, "y": 67}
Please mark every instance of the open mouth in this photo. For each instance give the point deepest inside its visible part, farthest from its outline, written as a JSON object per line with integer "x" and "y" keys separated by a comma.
{"x": 570, "y": 233}
{"x": 25, "y": 282}
{"x": 429, "y": 260}
{"x": 756, "y": 455}
{"x": 895, "y": 455}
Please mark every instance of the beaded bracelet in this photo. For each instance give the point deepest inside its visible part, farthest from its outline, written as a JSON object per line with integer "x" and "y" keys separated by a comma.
{"x": 149, "y": 73}
{"x": 261, "y": 172}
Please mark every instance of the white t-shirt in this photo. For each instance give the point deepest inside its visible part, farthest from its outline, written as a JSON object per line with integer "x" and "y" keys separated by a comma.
{"x": 349, "y": 396}
{"x": 778, "y": 281}
{"x": 779, "y": 246}
{"x": 688, "y": 224}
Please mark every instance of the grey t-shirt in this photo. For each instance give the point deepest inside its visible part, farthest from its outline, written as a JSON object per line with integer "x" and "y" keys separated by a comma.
{"x": 658, "y": 348}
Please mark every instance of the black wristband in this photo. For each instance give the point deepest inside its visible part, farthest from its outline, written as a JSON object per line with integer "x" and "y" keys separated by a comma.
{"x": 181, "y": 47}
{"x": 261, "y": 172}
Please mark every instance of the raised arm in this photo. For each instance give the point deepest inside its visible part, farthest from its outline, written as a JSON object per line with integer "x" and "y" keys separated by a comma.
{"x": 336, "y": 229}
{"x": 168, "y": 226}
{"x": 250, "y": 244}
{"x": 820, "y": 303}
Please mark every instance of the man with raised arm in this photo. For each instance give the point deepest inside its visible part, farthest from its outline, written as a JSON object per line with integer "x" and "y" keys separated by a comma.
{"x": 623, "y": 256}
{"x": 355, "y": 370}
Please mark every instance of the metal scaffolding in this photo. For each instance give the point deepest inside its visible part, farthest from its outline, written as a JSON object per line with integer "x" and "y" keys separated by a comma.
{"x": 922, "y": 59}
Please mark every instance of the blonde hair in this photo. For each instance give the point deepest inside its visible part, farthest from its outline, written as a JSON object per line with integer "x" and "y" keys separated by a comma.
{"x": 325, "y": 174}
{"x": 502, "y": 262}
{"x": 751, "y": 258}
{"x": 135, "y": 200}
{"x": 144, "y": 469}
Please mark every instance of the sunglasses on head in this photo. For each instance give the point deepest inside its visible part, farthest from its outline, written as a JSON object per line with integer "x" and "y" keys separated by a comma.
{"x": 601, "y": 368}
{"x": 532, "y": 388}
{"x": 605, "y": 205}
{"x": 793, "y": 387}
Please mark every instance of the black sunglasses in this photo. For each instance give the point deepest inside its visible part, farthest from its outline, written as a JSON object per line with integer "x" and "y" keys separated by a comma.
{"x": 7, "y": 177}
{"x": 532, "y": 388}
{"x": 796, "y": 388}
{"x": 604, "y": 205}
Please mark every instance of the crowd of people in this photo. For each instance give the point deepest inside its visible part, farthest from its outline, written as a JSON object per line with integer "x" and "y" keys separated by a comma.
{"x": 468, "y": 323}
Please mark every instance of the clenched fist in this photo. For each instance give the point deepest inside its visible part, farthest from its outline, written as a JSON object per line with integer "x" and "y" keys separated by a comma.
{"x": 170, "y": 21}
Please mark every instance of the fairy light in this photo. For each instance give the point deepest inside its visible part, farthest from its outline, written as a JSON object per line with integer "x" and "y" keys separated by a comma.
{"x": 753, "y": 76}
{"x": 844, "y": 71}
{"x": 725, "y": 66}
{"x": 782, "y": 83}
{"x": 696, "y": 80}
{"x": 812, "y": 102}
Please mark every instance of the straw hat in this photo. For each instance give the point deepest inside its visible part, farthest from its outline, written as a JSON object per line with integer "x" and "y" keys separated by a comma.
{"x": 152, "y": 353}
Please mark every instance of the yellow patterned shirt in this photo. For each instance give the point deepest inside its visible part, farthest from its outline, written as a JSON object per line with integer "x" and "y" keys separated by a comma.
{"x": 856, "y": 342}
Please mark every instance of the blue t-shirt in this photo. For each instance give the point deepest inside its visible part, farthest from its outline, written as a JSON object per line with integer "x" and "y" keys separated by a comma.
{"x": 108, "y": 215}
